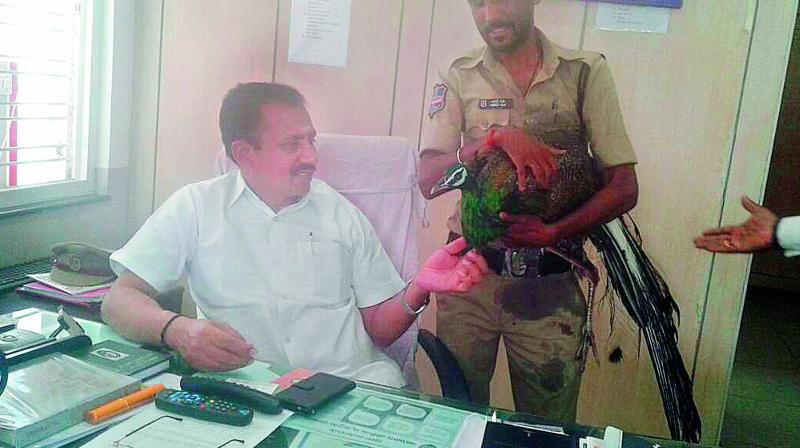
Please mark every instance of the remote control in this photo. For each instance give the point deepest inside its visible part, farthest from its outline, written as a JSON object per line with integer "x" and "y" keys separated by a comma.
{"x": 203, "y": 407}
{"x": 247, "y": 396}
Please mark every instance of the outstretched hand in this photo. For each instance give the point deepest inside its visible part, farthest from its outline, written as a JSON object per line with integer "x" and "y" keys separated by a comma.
{"x": 753, "y": 235}
{"x": 529, "y": 153}
{"x": 445, "y": 272}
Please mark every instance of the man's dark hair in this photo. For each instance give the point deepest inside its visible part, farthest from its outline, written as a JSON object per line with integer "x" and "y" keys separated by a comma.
{"x": 241, "y": 109}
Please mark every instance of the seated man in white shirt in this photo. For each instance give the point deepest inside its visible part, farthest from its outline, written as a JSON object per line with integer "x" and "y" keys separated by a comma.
{"x": 285, "y": 269}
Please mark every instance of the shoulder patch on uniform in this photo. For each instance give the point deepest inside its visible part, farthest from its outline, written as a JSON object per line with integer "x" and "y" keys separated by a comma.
{"x": 439, "y": 99}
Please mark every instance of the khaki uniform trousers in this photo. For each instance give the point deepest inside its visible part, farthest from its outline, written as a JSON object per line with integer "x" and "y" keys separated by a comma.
{"x": 541, "y": 321}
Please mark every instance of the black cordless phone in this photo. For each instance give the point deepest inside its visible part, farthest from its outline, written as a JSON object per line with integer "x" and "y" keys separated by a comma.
{"x": 260, "y": 401}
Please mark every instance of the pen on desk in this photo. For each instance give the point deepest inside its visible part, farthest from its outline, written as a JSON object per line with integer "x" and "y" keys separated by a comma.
{"x": 311, "y": 241}
{"x": 121, "y": 405}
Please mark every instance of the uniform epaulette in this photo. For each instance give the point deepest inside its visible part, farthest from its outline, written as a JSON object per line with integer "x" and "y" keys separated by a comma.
{"x": 469, "y": 57}
{"x": 588, "y": 56}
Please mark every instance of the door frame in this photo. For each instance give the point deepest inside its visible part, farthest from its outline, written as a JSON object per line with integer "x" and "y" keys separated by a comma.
{"x": 748, "y": 166}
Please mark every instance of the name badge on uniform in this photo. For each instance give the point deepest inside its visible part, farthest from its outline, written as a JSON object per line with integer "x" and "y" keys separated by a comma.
{"x": 438, "y": 100}
{"x": 495, "y": 103}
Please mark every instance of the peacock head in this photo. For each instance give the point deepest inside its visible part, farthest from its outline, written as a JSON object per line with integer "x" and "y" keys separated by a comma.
{"x": 457, "y": 177}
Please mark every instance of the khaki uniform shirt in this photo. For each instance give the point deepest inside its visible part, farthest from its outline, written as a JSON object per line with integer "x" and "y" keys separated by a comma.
{"x": 477, "y": 93}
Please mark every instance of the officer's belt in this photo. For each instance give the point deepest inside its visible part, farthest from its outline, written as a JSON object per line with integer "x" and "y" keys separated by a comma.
{"x": 522, "y": 262}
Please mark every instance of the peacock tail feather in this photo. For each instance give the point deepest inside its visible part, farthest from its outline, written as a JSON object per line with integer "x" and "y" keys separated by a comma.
{"x": 648, "y": 300}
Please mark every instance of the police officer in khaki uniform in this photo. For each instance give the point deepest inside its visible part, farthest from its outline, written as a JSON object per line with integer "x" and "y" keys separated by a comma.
{"x": 532, "y": 99}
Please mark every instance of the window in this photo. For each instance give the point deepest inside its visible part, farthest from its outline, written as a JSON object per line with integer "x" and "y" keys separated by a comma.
{"x": 45, "y": 65}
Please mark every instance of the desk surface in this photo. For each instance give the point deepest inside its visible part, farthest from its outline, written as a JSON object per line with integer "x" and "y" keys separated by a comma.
{"x": 282, "y": 438}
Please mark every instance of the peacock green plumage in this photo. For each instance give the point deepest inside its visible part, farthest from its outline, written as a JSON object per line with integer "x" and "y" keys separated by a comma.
{"x": 488, "y": 186}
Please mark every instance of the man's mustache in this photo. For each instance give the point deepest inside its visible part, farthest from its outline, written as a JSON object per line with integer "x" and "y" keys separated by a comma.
{"x": 488, "y": 27}
{"x": 306, "y": 167}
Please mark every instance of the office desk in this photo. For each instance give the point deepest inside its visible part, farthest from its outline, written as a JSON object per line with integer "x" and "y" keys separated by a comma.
{"x": 284, "y": 436}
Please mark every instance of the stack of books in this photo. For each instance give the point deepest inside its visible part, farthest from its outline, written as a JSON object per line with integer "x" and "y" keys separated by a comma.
{"x": 125, "y": 359}
{"x": 49, "y": 394}
{"x": 45, "y": 287}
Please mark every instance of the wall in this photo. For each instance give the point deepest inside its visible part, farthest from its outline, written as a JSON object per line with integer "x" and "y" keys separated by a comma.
{"x": 691, "y": 101}
{"x": 772, "y": 269}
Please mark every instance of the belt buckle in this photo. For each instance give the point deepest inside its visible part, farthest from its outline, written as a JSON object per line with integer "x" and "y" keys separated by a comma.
{"x": 522, "y": 262}
{"x": 515, "y": 263}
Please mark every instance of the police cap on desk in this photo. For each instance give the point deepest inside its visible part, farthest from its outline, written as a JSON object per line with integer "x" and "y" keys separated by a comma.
{"x": 78, "y": 264}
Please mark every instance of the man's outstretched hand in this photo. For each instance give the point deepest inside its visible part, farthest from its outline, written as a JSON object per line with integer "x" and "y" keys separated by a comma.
{"x": 445, "y": 272}
{"x": 753, "y": 235}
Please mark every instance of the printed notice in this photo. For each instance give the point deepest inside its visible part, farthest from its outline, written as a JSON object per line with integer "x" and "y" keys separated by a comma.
{"x": 364, "y": 418}
{"x": 643, "y": 19}
{"x": 319, "y": 31}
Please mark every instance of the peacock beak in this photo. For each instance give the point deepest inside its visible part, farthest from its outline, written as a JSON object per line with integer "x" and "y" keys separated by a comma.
{"x": 440, "y": 188}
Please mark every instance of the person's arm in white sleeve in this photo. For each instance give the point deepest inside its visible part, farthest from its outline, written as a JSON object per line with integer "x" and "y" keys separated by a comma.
{"x": 131, "y": 310}
{"x": 443, "y": 272}
{"x": 387, "y": 309}
{"x": 787, "y": 234}
{"x": 153, "y": 261}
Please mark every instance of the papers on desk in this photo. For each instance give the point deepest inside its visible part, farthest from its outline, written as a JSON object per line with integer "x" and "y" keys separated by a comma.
{"x": 74, "y": 295}
{"x": 84, "y": 429}
{"x": 153, "y": 427}
{"x": 177, "y": 431}
{"x": 51, "y": 393}
{"x": 71, "y": 290}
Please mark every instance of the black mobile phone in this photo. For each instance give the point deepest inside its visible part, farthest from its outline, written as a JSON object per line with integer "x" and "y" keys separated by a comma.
{"x": 312, "y": 393}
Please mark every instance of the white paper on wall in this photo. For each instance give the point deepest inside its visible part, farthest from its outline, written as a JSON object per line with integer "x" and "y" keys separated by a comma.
{"x": 642, "y": 19}
{"x": 319, "y": 31}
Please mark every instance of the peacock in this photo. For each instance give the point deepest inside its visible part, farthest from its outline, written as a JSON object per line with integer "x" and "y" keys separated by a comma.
{"x": 488, "y": 185}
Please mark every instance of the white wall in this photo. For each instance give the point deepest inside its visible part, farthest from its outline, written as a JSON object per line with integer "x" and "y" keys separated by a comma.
{"x": 681, "y": 96}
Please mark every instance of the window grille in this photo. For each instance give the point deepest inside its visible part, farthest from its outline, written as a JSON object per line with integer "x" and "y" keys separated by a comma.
{"x": 43, "y": 58}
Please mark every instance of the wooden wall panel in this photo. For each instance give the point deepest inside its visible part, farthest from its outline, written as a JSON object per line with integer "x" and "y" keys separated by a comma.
{"x": 144, "y": 108}
{"x": 356, "y": 99}
{"x": 410, "y": 95}
{"x": 771, "y": 268}
{"x": 208, "y": 46}
{"x": 760, "y": 103}
{"x": 680, "y": 96}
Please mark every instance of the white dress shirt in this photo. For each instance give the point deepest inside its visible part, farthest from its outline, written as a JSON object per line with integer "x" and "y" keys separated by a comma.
{"x": 788, "y": 235}
{"x": 290, "y": 282}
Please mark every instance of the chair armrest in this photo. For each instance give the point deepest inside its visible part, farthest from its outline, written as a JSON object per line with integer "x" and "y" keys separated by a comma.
{"x": 451, "y": 377}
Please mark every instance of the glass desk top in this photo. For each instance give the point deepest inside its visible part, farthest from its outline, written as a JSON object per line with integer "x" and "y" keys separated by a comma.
{"x": 45, "y": 322}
